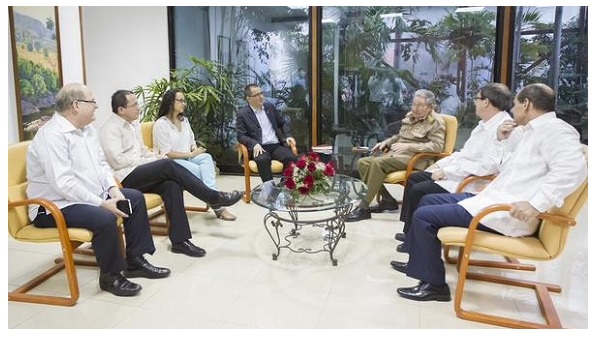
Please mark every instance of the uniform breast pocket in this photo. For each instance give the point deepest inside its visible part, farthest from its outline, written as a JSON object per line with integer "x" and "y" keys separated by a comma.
{"x": 419, "y": 133}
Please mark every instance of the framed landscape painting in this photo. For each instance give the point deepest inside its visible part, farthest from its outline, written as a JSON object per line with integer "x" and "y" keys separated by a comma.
{"x": 36, "y": 62}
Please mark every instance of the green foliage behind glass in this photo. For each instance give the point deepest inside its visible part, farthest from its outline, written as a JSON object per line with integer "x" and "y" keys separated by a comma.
{"x": 212, "y": 90}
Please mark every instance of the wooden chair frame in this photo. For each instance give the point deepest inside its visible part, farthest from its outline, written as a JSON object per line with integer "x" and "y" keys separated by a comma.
{"x": 561, "y": 219}
{"x": 509, "y": 263}
{"x": 70, "y": 239}
{"x": 249, "y": 167}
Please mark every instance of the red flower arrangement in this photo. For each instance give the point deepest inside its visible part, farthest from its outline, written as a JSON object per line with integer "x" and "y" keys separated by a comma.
{"x": 309, "y": 175}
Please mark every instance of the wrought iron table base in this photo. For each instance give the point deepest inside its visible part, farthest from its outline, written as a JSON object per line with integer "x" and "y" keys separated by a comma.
{"x": 334, "y": 226}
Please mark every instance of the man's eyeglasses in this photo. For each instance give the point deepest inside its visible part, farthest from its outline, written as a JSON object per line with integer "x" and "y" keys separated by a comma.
{"x": 419, "y": 106}
{"x": 90, "y": 102}
{"x": 256, "y": 94}
{"x": 136, "y": 104}
{"x": 181, "y": 100}
{"x": 480, "y": 98}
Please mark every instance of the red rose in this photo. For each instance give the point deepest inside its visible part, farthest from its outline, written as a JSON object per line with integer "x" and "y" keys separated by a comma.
{"x": 290, "y": 184}
{"x": 313, "y": 156}
{"x": 309, "y": 180}
{"x": 288, "y": 172}
{"x": 301, "y": 163}
{"x": 329, "y": 170}
{"x": 304, "y": 190}
{"x": 311, "y": 166}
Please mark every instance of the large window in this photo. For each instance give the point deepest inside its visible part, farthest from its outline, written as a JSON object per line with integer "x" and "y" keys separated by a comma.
{"x": 370, "y": 61}
{"x": 375, "y": 58}
{"x": 551, "y": 46}
{"x": 268, "y": 46}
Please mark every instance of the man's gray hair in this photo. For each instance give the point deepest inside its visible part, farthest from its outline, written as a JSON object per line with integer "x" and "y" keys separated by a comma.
{"x": 68, "y": 94}
{"x": 428, "y": 97}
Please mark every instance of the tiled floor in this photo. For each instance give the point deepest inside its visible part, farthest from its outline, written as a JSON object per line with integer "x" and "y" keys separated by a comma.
{"x": 237, "y": 285}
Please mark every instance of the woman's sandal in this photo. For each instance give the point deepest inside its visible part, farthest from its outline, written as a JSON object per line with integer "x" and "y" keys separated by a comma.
{"x": 224, "y": 214}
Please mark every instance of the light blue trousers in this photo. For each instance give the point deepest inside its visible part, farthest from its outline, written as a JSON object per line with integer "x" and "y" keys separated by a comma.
{"x": 202, "y": 167}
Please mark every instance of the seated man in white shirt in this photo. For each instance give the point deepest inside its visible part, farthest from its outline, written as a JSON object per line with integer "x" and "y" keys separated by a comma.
{"x": 65, "y": 165}
{"x": 479, "y": 156}
{"x": 141, "y": 169}
{"x": 546, "y": 165}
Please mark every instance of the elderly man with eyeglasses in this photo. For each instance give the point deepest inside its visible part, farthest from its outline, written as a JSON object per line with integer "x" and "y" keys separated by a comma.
{"x": 422, "y": 130}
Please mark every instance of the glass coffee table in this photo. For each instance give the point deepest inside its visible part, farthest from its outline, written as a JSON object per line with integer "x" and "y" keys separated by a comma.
{"x": 288, "y": 215}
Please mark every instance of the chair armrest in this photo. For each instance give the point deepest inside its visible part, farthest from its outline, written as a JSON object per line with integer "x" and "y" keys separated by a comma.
{"x": 54, "y": 211}
{"x": 559, "y": 219}
{"x": 421, "y": 156}
{"x": 472, "y": 179}
{"x": 118, "y": 183}
{"x": 242, "y": 155}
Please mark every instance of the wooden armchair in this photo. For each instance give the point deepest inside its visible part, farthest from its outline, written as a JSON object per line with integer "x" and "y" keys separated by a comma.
{"x": 20, "y": 228}
{"x": 450, "y": 138}
{"x": 250, "y": 166}
{"x": 510, "y": 262}
{"x": 547, "y": 245}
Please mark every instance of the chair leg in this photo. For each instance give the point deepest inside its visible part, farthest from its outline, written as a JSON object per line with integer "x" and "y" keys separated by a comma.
{"x": 247, "y": 196}
{"x": 197, "y": 209}
{"x": 162, "y": 227}
{"x": 511, "y": 263}
{"x": 67, "y": 262}
{"x": 542, "y": 291}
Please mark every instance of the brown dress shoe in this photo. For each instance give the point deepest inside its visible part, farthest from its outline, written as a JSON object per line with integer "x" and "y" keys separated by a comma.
{"x": 224, "y": 214}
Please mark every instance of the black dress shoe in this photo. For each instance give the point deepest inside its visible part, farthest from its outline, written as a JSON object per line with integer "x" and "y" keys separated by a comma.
{"x": 118, "y": 285}
{"x": 401, "y": 248}
{"x": 139, "y": 267}
{"x": 358, "y": 214}
{"x": 227, "y": 199}
{"x": 384, "y": 206}
{"x": 399, "y": 266}
{"x": 188, "y": 248}
{"x": 400, "y": 237}
{"x": 426, "y": 292}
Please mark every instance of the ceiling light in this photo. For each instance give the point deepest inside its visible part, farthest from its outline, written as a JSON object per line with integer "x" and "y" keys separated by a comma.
{"x": 469, "y": 9}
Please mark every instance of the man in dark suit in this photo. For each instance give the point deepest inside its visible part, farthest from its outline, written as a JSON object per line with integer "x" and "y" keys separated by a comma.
{"x": 262, "y": 129}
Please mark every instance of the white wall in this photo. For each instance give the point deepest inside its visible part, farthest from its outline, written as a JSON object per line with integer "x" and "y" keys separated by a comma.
{"x": 124, "y": 47}
{"x": 70, "y": 44}
{"x": 12, "y": 123}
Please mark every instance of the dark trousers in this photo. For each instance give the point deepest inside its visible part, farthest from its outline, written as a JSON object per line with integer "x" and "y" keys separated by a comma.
{"x": 169, "y": 179}
{"x": 273, "y": 152}
{"x": 419, "y": 184}
{"x": 102, "y": 223}
{"x": 434, "y": 212}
